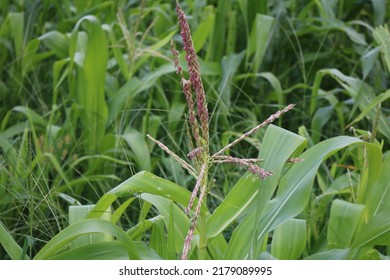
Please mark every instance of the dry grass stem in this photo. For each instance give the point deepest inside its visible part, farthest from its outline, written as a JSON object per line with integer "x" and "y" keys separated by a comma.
{"x": 222, "y": 159}
{"x": 184, "y": 164}
{"x": 196, "y": 188}
{"x": 272, "y": 118}
{"x": 250, "y": 166}
{"x": 190, "y": 234}
{"x": 195, "y": 152}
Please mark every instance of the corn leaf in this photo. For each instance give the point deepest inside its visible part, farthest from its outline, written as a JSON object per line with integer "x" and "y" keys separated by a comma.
{"x": 375, "y": 232}
{"x": 379, "y": 196}
{"x": 86, "y": 227}
{"x": 175, "y": 221}
{"x": 89, "y": 51}
{"x": 343, "y": 221}
{"x": 157, "y": 239}
{"x": 335, "y": 254}
{"x": 289, "y": 240}
{"x": 78, "y": 213}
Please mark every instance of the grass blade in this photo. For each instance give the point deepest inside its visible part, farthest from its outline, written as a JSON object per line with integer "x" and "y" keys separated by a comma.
{"x": 260, "y": 35}
{"x": 138, "y": 147}
{"x": 10, "y": 246}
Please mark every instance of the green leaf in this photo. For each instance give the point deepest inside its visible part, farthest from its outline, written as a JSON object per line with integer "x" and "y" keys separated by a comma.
{"x": 319, "y": 120}
{"x": 55, "y": 163}
{"x": 335, "y": 254}
{"x": 361, "y": 93}
{"x": 123, "y": 97}
{"x": 59, "y": 78}
{"x": 138, "y": 147}
{"x": 159, "y": 44}
{"x": 88, "y": 83}
{"x": 381, "y": 35}
{"x": 375, "y": 232}
{"x": 31, "y": 115}
{"x": 368, "y": 61}
{"x": 373, "y": 104}
{"x": 146, "y": 182}
{"x": 57, "y": 42}
{"x": 230, "y": 66}
{"x": 142, "y": 227}
{"x": 260, "y": 35}
{"x": 232, "y": 32}
{"x": 10, "y": 246}
{"x": 289, "y": 240}
{"x": 23, "y": 155}
{"x": 343, "y": 221}
{"x": 171, "y": 248}
{"x": 355, "y": 36}
{"x": 203, "y": 31}
{"x": 216, "y": 46}
{"x": 145, "y": 252}
{"x": 119, "y": 57}
{"x": 379, "y": 11}
{"x": 217, "y": 247}
{"x": 157, "y": 238}
{"x": 379, "y": 195}
{"x": 275, "y": 83}
{"x": 107, "y": 250}
{"x": 17, "y": 31}
{"x": 368, "y": 254}
{"x": 371, "y": 169}
{"x": 175, "y": 221}
{"x": 174, "y": 115}
{"x": 78, "y": 213}
{"x": 120, "y": 210}
{"x": 86, "y": 227}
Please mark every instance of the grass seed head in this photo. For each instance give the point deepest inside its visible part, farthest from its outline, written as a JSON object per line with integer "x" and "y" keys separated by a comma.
{"x": 194, "y": 72}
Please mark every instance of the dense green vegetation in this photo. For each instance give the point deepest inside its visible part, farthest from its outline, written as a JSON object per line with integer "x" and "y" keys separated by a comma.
{"x": 82, "y": 83}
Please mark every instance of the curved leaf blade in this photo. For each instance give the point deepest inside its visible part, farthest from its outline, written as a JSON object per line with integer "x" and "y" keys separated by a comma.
{"x": 86, "y": 227}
